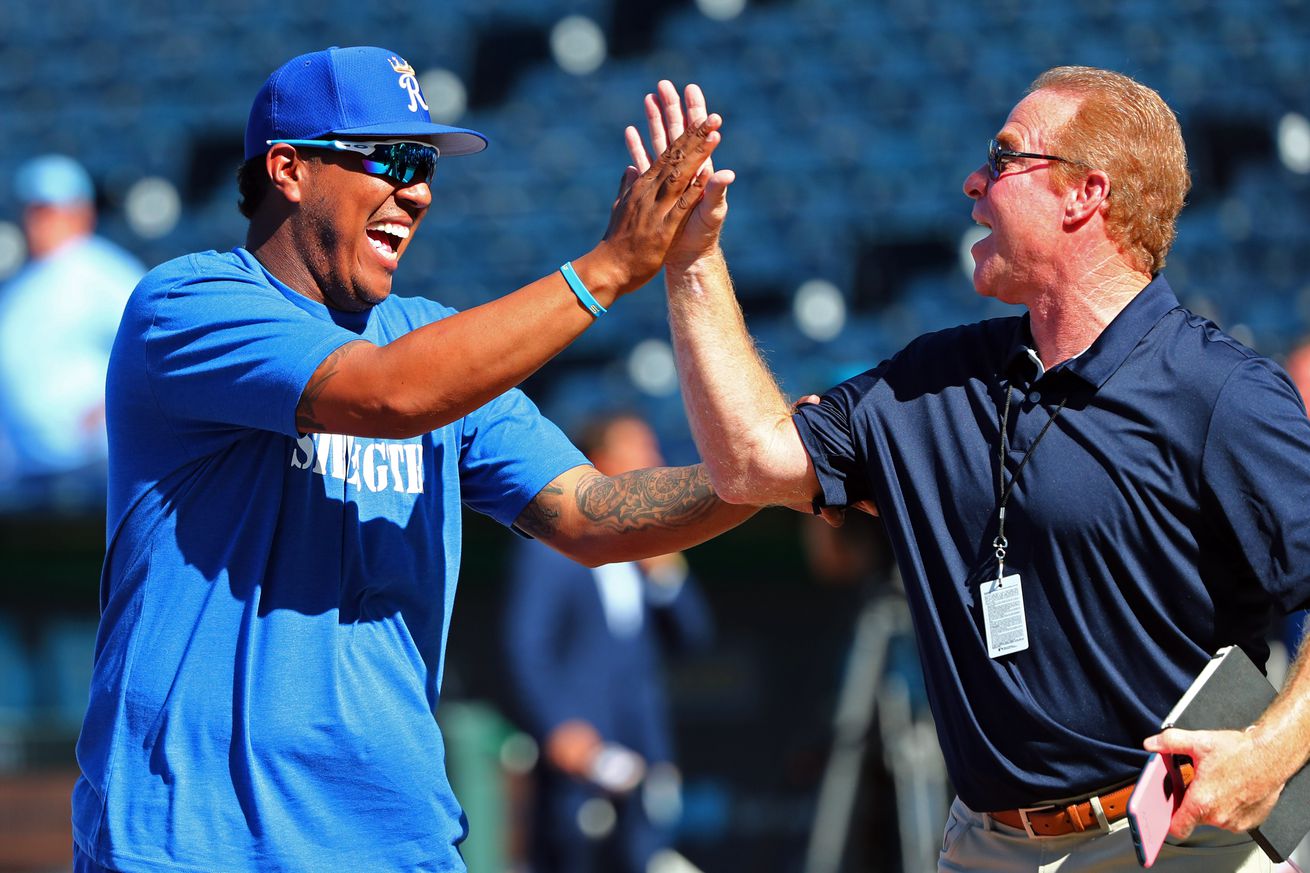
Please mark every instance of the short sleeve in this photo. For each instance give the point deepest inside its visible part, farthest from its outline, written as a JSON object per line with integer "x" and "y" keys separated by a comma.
{"x": 1257, "y": 467}
{"x": 233, "y": 351}
{"x": 510, "y": 451}
{"x": 827, "y": 431}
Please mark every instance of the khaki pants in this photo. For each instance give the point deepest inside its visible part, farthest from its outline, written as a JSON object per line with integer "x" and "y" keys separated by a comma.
{"x": 973, "y": 842}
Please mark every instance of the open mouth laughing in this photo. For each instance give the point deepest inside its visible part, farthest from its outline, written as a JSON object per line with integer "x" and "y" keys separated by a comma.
{"x": 387, "y": 237}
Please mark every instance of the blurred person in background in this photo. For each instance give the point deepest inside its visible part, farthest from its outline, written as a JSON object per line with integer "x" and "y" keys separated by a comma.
{"x": 290, "y": 445}
{"x": 58, "y": 317}
{"x": 584, "y": 649}
{"x": 1085, "y": 501}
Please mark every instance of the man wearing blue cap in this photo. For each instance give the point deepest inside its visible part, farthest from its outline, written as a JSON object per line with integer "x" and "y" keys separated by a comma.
{"x": 290, "y": 446}
{"x": 58, "y": 317}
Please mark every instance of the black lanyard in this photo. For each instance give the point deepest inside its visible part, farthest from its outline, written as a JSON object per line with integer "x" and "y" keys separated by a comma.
{"x": 1003, "y": 490}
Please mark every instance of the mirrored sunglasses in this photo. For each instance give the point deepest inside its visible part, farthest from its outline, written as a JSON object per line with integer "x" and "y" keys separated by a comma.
{"x": 403, "y": 161}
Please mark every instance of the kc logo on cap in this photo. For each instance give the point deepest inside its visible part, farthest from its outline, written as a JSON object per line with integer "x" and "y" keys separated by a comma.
{"x": 408, "y": 81}
{"x": 358, "y": 91}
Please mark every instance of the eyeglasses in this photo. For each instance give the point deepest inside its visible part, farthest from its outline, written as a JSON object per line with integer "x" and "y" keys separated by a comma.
{"x": 402, "y": 161}
{"x": 998, "y": 157}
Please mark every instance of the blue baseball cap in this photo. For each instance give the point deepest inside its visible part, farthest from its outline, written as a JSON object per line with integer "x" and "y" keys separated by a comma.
{"x": 52, "y": 179}
{"x": 354, "y": 91}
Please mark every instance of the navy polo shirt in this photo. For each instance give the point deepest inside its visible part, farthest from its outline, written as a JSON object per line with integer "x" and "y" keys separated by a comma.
{"x": 1164, "y": 514}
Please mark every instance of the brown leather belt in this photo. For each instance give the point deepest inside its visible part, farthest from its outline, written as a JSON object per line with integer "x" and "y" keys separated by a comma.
{"x": 1078, "y": 816}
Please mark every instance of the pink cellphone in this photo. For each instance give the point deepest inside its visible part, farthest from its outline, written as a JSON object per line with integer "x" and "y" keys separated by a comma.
{"x": 1158, "y": 793}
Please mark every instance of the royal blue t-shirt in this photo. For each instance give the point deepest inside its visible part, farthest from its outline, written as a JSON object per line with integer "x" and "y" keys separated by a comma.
{"x": 1163, "y": 515}
{"x": 275, "y": 607}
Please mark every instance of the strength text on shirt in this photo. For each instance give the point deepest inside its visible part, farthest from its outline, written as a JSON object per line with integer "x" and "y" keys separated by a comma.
{"x": 371, "y": 464}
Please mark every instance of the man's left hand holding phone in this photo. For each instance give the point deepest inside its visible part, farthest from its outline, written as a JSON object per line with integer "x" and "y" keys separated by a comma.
{"x": 1157, "y": 795}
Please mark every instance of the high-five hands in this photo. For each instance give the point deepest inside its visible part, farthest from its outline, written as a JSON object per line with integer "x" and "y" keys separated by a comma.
{"x": 655, "y": 201}
{"x": 666, "y": 121}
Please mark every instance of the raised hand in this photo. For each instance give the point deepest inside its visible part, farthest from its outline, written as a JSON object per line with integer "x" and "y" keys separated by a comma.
{"x": 666, "y": 120}
{"x": 655, "y": 201}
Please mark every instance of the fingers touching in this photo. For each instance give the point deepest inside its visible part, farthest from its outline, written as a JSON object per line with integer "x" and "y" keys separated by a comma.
{"x": 674, "y": 182}
{"x": 667, "y": 118}
{"x": 677, "y": 167}
{"x": 672, "y": 175}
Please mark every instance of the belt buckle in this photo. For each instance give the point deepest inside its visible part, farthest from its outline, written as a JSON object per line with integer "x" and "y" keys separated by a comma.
{"x": 1027, "y": 825}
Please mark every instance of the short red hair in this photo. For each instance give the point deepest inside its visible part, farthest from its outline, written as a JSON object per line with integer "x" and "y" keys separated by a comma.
{"x": 1127, "y": 130}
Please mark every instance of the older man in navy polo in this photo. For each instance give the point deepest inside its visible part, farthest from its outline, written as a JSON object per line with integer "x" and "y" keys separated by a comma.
{"x": 1085, "y": 501}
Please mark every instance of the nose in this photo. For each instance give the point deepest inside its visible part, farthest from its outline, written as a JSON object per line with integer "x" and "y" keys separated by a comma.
{"x": 418, "y": 194}
{"x": 975, "y": 184}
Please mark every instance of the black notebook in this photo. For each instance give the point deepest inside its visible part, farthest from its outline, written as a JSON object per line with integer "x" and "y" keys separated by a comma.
{"x": 1231, "y": 693}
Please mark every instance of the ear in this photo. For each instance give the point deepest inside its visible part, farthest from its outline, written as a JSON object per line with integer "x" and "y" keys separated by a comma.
{"x": 1086, "y": 197}
{"x": 286, "y": 171}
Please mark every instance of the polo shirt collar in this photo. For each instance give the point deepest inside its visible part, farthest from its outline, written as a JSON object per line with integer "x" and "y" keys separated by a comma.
{"x": 1104, "y": 356}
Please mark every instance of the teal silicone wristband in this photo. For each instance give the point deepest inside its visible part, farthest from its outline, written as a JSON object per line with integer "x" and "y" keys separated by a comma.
{"x": 580, "y": 290}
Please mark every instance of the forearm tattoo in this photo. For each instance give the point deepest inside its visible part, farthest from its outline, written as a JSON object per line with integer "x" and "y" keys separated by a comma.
{"x": 541, "y": 517}
{"x": 307, "y": 420}
{"x": 662, "y": 497}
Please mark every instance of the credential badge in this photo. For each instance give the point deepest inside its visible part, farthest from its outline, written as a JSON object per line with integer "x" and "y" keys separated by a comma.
{"x": 408, "y": 81}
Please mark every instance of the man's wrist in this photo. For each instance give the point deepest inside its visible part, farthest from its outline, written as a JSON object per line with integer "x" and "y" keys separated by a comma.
{"x": 580, "y": 290}
{"x": 1269, "y": 753}
{"x": 711, "y": 259}
{"x": 605, "y": 279}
